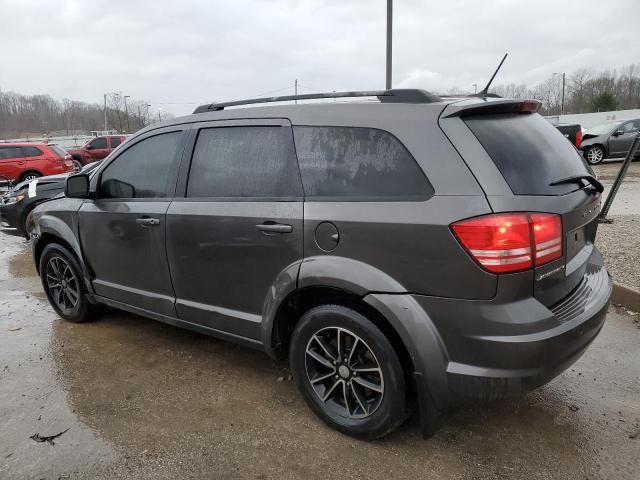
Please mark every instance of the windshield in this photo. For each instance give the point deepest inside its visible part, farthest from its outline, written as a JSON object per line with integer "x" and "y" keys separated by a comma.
{"x": 602, "y": 128}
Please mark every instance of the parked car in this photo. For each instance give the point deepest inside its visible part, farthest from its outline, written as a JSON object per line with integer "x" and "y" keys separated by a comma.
{"x": 21, "y": 162}
{"x": 413, "y": 251}
{"x": 572, "y": 132}
{"x": 609, "y": 140}
{"x": 96, "y": 148}
{"x": 17, "y": 204}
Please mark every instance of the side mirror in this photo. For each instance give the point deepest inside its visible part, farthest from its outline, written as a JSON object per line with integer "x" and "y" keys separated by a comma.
{"x": 617, "y": 133}
{"x": 77, "y": 186}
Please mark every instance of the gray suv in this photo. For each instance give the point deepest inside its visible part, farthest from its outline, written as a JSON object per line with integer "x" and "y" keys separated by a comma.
{"x": 401, "y": 251}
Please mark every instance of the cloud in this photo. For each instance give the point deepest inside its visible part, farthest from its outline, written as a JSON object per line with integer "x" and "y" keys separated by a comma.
{"x": 178, "y": 54}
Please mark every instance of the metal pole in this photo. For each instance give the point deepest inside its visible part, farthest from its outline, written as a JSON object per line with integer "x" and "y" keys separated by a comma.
{"x": 389, "y": 41}
{"x": 126, "y": 112}
{"x": 562, "y": 104}
{"x": 635, "y": 146}
{"x": 475, "y": 88}
{"x": 295, "y": 89}
{"x": 105, "y": 113}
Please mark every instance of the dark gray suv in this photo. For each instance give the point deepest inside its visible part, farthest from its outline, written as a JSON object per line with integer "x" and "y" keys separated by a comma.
{"x": 401, "y": 251}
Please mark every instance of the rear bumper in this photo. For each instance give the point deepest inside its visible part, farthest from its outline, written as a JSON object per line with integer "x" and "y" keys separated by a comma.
{"x": 500, "y": 349}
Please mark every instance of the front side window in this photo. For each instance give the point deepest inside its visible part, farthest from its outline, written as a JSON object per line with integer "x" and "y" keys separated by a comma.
{"x": 358, "y": 164}
{"x": 147, "y": 169}
{"x": 8, "y": 153}
{"x": 99, "y": 143}
{"x": 630, "y": 127}
{"x": 256, "y": 162}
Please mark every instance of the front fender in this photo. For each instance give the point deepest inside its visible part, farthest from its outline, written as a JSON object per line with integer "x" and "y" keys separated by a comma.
{"x": 58, "y": 219}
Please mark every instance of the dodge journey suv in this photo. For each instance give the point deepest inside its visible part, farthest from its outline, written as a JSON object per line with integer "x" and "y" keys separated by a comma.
{"x": 400, "y": 251}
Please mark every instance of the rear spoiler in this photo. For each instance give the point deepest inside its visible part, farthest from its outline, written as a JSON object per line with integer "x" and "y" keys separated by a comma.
{"x": 486, "y": 106}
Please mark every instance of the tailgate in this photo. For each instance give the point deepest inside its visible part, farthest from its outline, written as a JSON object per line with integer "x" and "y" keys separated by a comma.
{"x": 524, "y": 164}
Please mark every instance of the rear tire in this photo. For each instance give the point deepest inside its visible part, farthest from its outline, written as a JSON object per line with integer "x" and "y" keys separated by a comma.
{"x": 63, "y": 284}
{"x": 29, "y": 176}
{"x": 594, "y": 155}
{"x": 357, "y": 388}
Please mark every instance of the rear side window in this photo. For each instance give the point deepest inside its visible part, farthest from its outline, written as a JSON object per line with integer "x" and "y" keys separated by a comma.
{"x": 115, "y": 141}
{"x": 244, "y": 162}
{"x": 31, "y": 152}
{"x": 148, "y": 169}
{"x": 529, "y": 152}
{"x": 357, "y": 164}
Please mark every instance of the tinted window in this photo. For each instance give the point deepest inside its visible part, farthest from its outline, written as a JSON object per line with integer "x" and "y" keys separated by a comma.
{"x": 145, "y": 170}
{"x": 529, "y": 152}
{"x": 10, "y": 152}
{"x": 357, "y": 164}
{"x": 31, "y": 152}
{"x": 99, "y": 143}
{"x": 58, "y": 150}
{"x": 244, "y": 162}
{"x": 115, "y": 141}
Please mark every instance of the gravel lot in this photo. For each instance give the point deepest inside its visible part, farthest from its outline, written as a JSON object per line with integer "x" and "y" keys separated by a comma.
{"x": 620, "y": 241}
{"x": 140, "y": 399}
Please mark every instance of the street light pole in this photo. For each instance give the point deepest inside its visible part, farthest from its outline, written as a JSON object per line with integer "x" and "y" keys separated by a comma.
{"x": 105, "y": 113}
{"x": 563, "y": 87}
{"x": 126, "y": 112}
{"x": 389, "y": 41}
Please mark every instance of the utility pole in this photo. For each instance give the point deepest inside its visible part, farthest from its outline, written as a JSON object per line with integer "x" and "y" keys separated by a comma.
{"x": 475, "y": 88}
{"x": 105, "y": 113}
{"x": 389, "y": 41}
{"x": 295, "y": 89}
{"x": 563, "y": 87}
{"x": 126, "y": 112}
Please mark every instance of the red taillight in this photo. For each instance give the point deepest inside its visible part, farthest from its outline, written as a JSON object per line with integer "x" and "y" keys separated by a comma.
{"x": 503, "y": 242}
{"x": 547, "y": 236}
{"x": 579, "y": 138}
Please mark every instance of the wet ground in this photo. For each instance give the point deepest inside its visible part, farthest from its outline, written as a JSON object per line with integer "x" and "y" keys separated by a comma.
{"x": 139, "y": 399}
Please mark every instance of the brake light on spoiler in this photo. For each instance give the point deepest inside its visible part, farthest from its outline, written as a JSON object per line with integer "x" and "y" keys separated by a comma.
{"x": 511, "y": 242}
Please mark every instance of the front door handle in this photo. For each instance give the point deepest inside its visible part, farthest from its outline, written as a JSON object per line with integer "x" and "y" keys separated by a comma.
{"x": 273, "y": 227}
{"x": 147, "y": 221}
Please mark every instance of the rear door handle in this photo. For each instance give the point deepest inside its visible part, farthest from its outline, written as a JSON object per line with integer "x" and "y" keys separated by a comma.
{"x": 273, "y": 227}
{"x": 147, "y": 221}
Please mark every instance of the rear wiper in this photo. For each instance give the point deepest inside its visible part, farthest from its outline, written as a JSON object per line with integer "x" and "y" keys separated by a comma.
{"x": 578, "y": 179}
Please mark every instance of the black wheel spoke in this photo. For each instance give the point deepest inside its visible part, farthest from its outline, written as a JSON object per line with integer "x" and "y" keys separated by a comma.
{"x": 356, "y": 395}
{"x": 319, "y": 358}
{"x": 367, "y": 384}
{"x": 331, "y": 390}
{"x": 320, "y": 342}
{"x": 344, "y": 372}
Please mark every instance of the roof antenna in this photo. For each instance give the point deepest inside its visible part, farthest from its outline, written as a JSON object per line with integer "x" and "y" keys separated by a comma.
{"x": 485, "y": 90}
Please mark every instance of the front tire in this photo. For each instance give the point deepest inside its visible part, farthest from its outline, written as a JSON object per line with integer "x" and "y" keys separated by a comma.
{"x": 594, "y": 155}
{"x": 62, "y": 280}
{"x": 348, "y": 372}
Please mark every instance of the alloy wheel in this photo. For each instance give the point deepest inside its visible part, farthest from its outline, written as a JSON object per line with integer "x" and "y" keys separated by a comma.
{"x": 344, "y": 372}
{"x": 594, "y": 155}
{"x": 30, "y": 177}
{"x": 62, "y": 284}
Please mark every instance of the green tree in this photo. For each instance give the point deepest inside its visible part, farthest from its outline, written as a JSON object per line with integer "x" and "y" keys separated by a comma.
{"x": 603, "y": 102}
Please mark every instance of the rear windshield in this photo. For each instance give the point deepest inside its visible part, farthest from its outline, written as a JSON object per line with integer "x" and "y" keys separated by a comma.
{"x": 529, "y": 152}
{"x": 58, "y": 150}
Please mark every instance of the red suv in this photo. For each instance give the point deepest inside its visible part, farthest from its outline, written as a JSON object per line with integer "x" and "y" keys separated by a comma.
{"x": 96, "y": 148}
{"x": 27, "y": 161}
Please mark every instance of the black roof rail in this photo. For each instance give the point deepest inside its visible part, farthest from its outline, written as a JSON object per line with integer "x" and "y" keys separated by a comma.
{"x": 408, "y": 95}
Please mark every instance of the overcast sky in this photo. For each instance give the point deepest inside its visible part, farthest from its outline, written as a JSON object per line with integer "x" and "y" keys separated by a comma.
{"x": 180, "y": 52}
